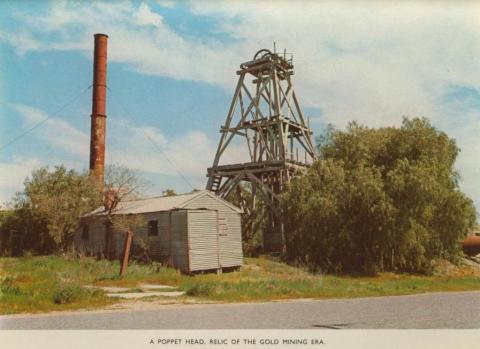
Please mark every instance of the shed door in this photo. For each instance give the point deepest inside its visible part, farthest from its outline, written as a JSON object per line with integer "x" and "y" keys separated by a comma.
{"x": 203, "y": 240}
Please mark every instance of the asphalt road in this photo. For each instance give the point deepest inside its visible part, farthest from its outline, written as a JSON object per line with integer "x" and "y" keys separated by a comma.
{"x": 435, "y": 310}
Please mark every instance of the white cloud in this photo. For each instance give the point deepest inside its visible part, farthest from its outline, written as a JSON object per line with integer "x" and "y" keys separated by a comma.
{"x": 365, "y": 61}
{"x": 128, "y": 144}
{"x": 387, "y": 62}
{"x": 370, "y": 61}
{"x": 13, "y": 176}
{"x": 23, "y": 41}
{"x": 148, "y": 149}
{"x": 138, "y": 37}
{"x": 166, "y": 3}
{"x": 65, "y": 136}
{"x": 57, "y": 135}
{"x": 145, "y": 16}
{"x": 141, "y": 148}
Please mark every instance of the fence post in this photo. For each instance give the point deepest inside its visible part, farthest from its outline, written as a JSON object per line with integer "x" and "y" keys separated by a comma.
{"x": 126, "y": 252}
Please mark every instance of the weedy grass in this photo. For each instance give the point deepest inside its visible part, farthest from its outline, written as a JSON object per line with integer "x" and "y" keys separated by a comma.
{"x": 47, "y": 283}
{"x": 37, "y": 284}
{"x": 263, "y": 279}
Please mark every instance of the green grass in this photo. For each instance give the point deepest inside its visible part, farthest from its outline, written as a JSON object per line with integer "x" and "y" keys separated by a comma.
{"x": 263, "y": 279}
{"x": 47, "y": 283}
{"x": 39, "y": 284}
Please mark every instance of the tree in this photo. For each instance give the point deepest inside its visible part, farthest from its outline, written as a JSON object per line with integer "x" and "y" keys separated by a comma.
{"x": 45, "y": 216}
{"x": 51, "y": 203}
{"x": 122, "y": 184}
{"x": 21, "y": 231}
{"x": 378, "y": 199}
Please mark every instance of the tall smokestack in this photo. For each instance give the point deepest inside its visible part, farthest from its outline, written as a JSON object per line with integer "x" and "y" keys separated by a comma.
{"x": 99, "y": 116}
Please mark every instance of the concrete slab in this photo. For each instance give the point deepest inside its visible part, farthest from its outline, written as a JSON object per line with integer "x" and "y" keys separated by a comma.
{"x": 134, "y": 295}
{"x": 171, "y": 294}
{"x": 154, "y": 287}
{"x": 110, "y": 289}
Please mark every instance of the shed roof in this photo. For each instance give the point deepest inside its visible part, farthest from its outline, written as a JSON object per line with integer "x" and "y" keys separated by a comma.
{"x": 159, "y": 203}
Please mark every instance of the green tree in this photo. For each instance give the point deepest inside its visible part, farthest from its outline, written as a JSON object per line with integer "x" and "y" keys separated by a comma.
{"x": 21, "y": 230}
{"x": 52, "y": 202}
{"x": 378, "y": 199}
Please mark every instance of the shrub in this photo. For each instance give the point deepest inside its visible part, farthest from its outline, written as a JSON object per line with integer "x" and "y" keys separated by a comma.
{"x": 378, "y": 199}
{"x": 7, "y": 286}
{"x": 69, "y": 293}
{"x": 201, "y": 289}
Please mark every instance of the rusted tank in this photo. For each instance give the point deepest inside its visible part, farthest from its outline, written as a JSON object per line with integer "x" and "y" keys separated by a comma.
{"x": 99, "y": 116}
{"x": 471, "y": 245}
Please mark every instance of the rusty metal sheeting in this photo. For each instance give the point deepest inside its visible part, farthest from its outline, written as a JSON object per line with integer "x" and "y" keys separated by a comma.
{"x": 98, "y": 125}
{"x": 471, "y": 245}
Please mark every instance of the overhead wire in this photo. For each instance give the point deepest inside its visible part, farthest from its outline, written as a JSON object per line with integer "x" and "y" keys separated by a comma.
{"x": 151, "y": 140}
{"x": 40, "y": 123}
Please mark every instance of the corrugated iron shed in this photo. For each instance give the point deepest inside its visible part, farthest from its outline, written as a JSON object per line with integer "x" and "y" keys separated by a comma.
{"x": 195, "y": 231}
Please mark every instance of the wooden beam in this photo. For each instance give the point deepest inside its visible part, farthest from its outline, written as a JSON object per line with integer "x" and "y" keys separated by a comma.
{"x": 231, "y": 185}
{"x": 221, "y": 148}
{"x": 261, "y": 186}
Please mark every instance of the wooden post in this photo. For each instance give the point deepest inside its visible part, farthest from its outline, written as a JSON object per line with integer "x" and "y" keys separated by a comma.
{"x": 126, "y": 252}
{"x": 108, "y": 238}
{"x": 170, "y": 257}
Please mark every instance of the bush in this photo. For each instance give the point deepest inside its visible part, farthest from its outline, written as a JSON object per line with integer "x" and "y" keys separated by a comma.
{"x": 7, "y": 286}
{"x": 378, "y": 199}
{"x": 201, "y": 290}
{"x": 66, "y": 294}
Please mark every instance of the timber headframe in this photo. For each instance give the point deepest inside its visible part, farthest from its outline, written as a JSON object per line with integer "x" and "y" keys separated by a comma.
{"x": 265, "y": 119}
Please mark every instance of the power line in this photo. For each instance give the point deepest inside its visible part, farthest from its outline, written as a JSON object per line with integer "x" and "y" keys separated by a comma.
{"x": 151, "y": 140}
{"x": 40, "y": 123}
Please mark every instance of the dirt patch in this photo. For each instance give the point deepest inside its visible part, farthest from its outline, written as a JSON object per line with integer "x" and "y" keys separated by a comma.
{"x": 156, "y": 304}
{"x": 467, "y": 267}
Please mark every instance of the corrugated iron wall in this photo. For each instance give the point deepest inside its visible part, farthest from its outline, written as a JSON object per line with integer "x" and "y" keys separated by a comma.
{"x": 230, "y": 241}
{"x": 203, "y": 240}
{"x": 193, "y": 238}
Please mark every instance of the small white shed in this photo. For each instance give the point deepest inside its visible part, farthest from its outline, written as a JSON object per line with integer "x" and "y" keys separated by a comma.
{"x": 194, "y": 232}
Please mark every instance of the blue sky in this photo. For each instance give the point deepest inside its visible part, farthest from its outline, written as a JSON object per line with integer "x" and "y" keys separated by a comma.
{"x": 172, "y": 70}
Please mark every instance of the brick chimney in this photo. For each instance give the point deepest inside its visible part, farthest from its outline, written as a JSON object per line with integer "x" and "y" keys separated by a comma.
{"x": 99, "y": 116}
